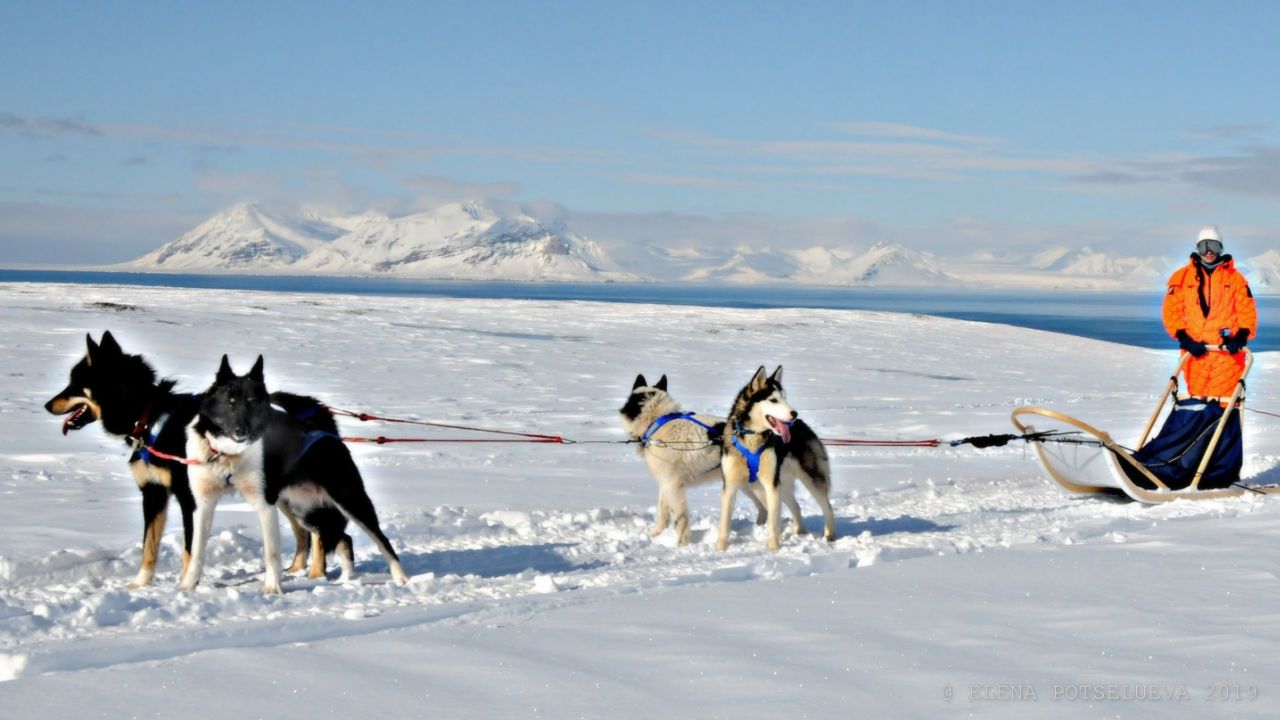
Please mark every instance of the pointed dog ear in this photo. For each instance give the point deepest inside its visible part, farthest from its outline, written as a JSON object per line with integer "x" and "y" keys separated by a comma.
{"x": 639, "y": 383}
{"x": 109, "y": 344}
{"x": 757, "y": 380}
{"x": 777, "y": 375}
{"x": 91, "y": 347}
{"x": 224, "y": 371}
{"x": 662, "y": 383}
{"x": 256, "y": 372}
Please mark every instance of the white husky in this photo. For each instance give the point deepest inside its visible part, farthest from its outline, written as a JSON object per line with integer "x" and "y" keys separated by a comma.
{"x": 680, "y": 449}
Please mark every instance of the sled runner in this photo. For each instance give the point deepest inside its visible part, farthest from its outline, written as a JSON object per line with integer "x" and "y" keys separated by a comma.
{"x": 1197, "y": 453}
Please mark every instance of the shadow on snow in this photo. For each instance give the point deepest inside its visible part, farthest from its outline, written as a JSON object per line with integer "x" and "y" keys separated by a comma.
{"x": 487, "y": 562}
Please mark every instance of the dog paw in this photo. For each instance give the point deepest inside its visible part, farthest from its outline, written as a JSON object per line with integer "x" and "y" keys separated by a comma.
{"x": 762, "y": 517}
{"x": 799, "y": 530}
{"x": 831, "y": 536}
{"x": 656, "y": 532}
{"x": 722, "y": 545}
{"x": 773, "y": 545}
{"x": 187, "y": 585}
{"x": 272, "y": 588}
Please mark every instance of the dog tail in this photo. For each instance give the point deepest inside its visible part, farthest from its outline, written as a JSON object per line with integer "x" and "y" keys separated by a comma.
{"x": 809, "y": 452}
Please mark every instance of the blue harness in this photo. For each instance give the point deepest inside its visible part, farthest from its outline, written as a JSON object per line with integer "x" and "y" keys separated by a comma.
{"x": 751, "y": 456}
{"x": 312, "y": 437}
{"x": 657, "y": 424}
{"x": 144, "y": 452}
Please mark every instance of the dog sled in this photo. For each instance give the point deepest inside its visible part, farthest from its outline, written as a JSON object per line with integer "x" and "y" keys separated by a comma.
{"x": 1197, "y": 453}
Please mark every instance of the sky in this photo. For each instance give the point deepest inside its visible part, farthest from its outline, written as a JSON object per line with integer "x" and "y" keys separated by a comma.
{"x": 952, "y": 128}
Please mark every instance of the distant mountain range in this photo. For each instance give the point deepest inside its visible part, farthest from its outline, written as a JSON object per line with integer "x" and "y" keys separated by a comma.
{"x": 472, "y": 241}
{"x": 456, "y": 241}
{"x": 885, "y": 264}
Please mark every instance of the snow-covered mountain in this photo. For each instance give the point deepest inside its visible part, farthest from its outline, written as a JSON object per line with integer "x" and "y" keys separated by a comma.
{"x": 1087, "y": 261}
{"x": 465, "y": 241}
{"x": 243, "y": 237}
{"x": 457, "y": 241}
{"x": 1065, "y": 268}
{"x": 475, "y": 241}
{"x": 885, "y": 264}
{"x": 1263, "y": 271}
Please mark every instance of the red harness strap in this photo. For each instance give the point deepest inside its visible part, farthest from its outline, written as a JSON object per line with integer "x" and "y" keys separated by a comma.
{"x": 176, "y": 458}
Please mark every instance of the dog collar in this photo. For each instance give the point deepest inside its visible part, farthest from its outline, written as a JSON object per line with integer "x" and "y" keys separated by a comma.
{"x": 144, "y": 421}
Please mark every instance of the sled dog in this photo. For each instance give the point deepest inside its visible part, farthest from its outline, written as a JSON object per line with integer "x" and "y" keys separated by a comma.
{"x": 243, "y": 443}
{"x": 766, "y": 447}
{"x": 121, "y": 391}
{"x": 680, "y": 449}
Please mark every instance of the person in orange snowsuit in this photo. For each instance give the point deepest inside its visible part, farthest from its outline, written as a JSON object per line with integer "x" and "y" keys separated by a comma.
{"x": 1209, "y": 303}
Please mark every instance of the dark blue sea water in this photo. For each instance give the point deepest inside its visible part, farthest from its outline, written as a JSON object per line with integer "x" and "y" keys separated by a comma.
{"x": 1129, "y": 318}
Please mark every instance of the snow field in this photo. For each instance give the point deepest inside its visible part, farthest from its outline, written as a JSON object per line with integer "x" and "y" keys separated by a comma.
{"x": 550, "y": 537}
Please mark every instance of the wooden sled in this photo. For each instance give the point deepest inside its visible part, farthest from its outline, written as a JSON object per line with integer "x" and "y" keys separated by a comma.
{"x": 1088, "y": 471}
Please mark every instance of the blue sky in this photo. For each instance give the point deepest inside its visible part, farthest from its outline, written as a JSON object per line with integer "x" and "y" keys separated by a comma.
{"x": 947, "y": 126}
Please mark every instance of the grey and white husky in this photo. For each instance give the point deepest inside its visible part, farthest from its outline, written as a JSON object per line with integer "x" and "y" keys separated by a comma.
{"x": 243, "y": 443}
{"x": 681, "y": 449}
{"x": 765, "y": 447}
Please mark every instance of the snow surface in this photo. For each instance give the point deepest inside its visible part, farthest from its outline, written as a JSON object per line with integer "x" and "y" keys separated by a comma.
{"x": 962, "y": 581}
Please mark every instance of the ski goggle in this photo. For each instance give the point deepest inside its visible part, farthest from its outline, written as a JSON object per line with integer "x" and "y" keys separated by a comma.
{"x": 1209, "y": 246}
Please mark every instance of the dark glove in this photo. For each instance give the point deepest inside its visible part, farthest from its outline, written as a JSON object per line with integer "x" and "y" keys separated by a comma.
{"x": 1195, "y": 347}
{"x": 1236, "y": 343}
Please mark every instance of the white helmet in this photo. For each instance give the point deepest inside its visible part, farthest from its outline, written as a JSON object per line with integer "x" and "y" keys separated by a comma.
{"x": 1209, "y": 239}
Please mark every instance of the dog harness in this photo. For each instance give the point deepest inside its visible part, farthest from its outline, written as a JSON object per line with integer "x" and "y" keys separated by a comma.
{"x": 752, "y": 457}
{"x": 657, "y": 424}
{"x": 146, "y": 433}
{"x": 310, "y": 439}
{"x": 146, "y": 452}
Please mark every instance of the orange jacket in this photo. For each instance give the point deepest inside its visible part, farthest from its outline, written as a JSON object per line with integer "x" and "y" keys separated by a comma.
{"x": 1204, "y": 304}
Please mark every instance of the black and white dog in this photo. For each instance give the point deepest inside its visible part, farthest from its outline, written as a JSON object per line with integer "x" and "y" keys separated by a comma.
{"x": 121, "y": 391}
{"x": 765, "y": 447}
{"x": 243, "y": 443}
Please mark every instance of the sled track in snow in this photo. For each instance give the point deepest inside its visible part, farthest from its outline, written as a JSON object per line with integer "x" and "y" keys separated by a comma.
{"x": 63, "y": 613}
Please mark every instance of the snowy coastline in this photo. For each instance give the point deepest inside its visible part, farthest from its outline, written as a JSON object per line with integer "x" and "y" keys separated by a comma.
{"x": 536, "y": 591}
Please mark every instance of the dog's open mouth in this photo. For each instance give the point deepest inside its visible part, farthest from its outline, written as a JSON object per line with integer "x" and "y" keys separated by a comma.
{"x": 783, "y": 429}
{"x": 82, "y": 415}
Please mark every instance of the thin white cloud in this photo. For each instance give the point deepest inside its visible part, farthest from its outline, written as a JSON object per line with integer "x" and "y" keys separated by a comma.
{"x": 896, "y": 130}
{"x": 1231, "y": 131}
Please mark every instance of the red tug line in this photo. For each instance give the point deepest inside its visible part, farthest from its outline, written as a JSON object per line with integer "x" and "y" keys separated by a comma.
{"x": 522, "y": 437}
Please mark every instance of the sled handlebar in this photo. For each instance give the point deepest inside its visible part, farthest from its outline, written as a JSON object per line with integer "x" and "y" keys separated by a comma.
{"x": 1220, "y": 348}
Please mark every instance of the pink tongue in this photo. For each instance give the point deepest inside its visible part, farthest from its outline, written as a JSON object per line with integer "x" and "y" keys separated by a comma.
{"x": 66, "y": 424}
{"x": 783, "y": 430}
